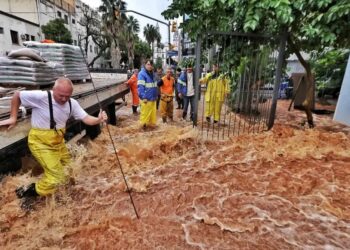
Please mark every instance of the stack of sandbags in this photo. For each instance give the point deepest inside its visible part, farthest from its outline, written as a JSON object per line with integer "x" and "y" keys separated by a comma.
{"x": 69, "y": 56}
{"x": 26, "y": 66}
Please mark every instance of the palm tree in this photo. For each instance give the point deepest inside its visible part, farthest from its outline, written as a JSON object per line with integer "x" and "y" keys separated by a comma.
{"x": 151, "y": 34}
{"x": 132, "y": 28}
{"x": 113, "y": 24}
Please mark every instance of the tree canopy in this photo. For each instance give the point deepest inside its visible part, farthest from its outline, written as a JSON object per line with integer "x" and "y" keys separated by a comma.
{"x": 311, "y": 25}
{"x": 113, "y": 24}
{"x": 56, "y": 31}
{"x": 142, "y": 52}
{"x": 151, "y": 34}
{"x": 314, "y": 23}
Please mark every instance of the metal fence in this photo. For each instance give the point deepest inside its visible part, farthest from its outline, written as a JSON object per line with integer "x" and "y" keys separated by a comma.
{"x": 237, "y": 95}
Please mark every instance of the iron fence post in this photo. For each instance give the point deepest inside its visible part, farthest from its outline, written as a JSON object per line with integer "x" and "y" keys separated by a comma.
{"x": 281, "y": 52}
{"x": 196, "y": 79}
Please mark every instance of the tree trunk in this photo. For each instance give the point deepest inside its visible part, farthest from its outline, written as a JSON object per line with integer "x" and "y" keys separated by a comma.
{"x": 152, "y": 50}
{"x": 309, "y": 80}
{"x": 91, "y": 64}
{"x": 131, "y": 54}
{"x": 86, "y": 45}
{"x": 115, "y": 55}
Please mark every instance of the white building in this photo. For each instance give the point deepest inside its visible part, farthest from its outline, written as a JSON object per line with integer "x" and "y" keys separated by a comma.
{"x": 20, "y": 20}
{"x": 293, "y": 64}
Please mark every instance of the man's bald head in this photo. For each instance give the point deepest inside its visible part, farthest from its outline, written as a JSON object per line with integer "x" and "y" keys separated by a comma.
{"x": 63, "y": 82}
{"x": 62, "y": 90}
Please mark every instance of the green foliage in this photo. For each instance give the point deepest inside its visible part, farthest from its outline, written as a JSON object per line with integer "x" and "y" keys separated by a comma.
{"x": 187, "y": 62}
{"x": 56, "y": 31}
{"x": 158, "y": 63}
{"x": 329, "y": 67}
{"x": 151, "y": 34}
{"x": 142, "y": 51}
{"x": 314, "y": 24}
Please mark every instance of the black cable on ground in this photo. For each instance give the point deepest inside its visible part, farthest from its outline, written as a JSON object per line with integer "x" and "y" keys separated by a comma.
{"x": 110, "y": 136}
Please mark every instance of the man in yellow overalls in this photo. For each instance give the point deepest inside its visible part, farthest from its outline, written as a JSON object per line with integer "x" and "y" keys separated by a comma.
{"x": 50, "y": 112}
{"x": 217, "y": 88}
{"x": 166, "y": 85}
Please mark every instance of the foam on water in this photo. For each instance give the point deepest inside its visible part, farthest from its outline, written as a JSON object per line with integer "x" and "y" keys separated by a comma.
{"x": 284, "y": 189}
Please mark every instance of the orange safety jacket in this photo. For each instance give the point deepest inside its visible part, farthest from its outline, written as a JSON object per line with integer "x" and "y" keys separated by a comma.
{"x": 168, "y": 86}
{"x": 132, "y": 82}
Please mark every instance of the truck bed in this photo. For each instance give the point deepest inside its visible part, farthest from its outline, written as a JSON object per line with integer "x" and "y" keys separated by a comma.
{"x": 108, "y": 91}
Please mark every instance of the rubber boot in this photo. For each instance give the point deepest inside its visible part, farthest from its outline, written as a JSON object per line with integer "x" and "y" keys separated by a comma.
{"x": 29, "y": 192}
{"x": 134, "y": 110}
{"x": 28, "y": 197}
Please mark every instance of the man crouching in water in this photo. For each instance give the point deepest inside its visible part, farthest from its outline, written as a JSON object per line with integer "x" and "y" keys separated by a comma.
{"x": 50, "y": 112}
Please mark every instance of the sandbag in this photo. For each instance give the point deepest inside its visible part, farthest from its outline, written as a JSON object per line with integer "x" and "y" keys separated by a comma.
{"x": 71, "y": 57}
{"x": 26, "y": 53}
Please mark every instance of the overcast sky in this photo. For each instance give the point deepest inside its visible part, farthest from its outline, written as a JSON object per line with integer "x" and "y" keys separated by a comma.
{"x": 152, "y": 8}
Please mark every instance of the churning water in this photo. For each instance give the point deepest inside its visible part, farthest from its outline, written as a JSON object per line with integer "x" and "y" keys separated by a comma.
{"x": 288, "y": 188}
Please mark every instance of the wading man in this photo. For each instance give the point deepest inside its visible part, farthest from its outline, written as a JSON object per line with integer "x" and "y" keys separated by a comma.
{"x": 148, "y": 93}
{"x": 166, "y": 85}
{"x": 132, "y": 82}
{"x": 186, "y": 90}
{"x": 50, "y": 112}
{"x": 218, "y": 86}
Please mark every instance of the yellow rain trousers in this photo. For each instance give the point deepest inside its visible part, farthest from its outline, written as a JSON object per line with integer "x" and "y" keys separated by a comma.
{"x": 49, "y": 149}
{"x": 166, "y": 106}
{"x": 148, "y": 114}
{"x": 215, "y": 95}
{"x": 213, "y": 108}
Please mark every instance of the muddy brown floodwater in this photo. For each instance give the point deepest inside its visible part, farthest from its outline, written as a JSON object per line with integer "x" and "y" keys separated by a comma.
{"x": 288, "y": 188}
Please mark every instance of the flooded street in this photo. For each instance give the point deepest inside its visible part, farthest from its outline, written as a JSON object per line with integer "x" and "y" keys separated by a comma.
{"x": 288, "y": 188}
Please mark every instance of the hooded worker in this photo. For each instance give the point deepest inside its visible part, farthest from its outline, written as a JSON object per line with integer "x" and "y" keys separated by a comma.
{"x": 148, "y": 93}
{"x": 50, "y": 112}
{"x": 166, "y": 85}
{"x": 218, "y": 86}
{"x": 132, "y": 82}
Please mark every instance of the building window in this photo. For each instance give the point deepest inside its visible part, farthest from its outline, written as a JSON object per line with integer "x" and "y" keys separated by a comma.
{"x": 59, "y": 14}
{"x": 1, "y": 30}
{"x": 66, "y": 19}
{"x": 73, "y": 21}
{"x": 91, "y": 48}
{"x": 32, "y": 38}
{"x": 14, "y": 36}
{"x": 96, "y": 50}
{"x": 27, "y": 37}
{"x": 75, "y": 42}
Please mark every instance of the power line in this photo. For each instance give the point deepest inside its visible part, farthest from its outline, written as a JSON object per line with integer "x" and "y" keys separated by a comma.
{"x": 43, "y": 12}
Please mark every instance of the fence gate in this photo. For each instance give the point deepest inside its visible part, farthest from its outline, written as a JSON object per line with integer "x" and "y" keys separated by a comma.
{"x": 238, "y": 76}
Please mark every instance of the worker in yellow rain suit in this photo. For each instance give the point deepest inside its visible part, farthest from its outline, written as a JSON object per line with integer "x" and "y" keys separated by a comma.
{"x": 50, "y": 112}
{"x": 148, "y": 93}
{"x": 218, "y": 86}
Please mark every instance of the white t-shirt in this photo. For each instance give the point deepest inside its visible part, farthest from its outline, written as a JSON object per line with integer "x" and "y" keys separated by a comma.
{"x": 190, "y": 89}
{"x": 39, "y": 102}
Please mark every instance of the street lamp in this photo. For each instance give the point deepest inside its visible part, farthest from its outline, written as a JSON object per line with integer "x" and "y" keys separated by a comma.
{"x": 154, "y": 19}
